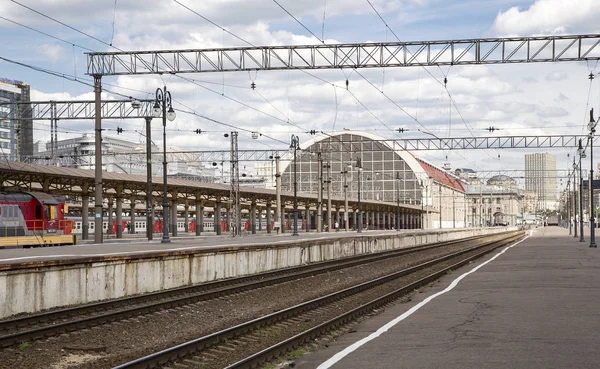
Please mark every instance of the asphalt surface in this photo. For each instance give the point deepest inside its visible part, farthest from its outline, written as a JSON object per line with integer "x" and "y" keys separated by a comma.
{"x": 537, "y": 305}
{"x": 137, "y": 246}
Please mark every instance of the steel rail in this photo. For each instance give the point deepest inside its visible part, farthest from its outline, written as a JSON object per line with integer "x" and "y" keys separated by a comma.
{"x": 345, "y": 318}
{"x": 177, "y": 352}
{"x": 182, "y": 296}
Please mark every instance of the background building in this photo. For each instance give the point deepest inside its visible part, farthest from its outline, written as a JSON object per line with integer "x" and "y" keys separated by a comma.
{"x": 16, "y": 136}
{"x": 388, "y": 174}
{"x": 540, "y": 177}
{"x": 498, "y": 202}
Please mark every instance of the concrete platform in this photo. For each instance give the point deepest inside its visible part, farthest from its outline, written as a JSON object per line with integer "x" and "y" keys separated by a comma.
{"x": 142, "y": 247}
{"x": 537, "y": 305}
{"x": 32, "y": 280}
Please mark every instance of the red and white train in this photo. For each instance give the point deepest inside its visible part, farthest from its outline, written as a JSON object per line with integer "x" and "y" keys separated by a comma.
{"x": 30, "y": 219}
{"x": 139, "y": 226}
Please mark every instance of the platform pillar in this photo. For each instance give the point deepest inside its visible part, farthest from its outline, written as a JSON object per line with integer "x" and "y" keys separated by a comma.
{"x": 173, "y": 215}
{"x": 260, "y": 211}
{"x": 85, "y": 213}
{"x": 307, "y": 216}
{"x": 268, "y": 217}
{"x": 119, "y": 217}
{"x": 282, "y": 212}
{"x": 253, "y": 217}
{"x": 109, "y": 225}
{"x": 217, "y": 217}
{"x": 131, "y": 228}
{"x": 186, "y": 217}
{"x": 199, "y": 216}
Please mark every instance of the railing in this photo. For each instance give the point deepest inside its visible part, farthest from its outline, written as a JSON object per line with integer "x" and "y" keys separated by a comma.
{"x": 37, "y": 227}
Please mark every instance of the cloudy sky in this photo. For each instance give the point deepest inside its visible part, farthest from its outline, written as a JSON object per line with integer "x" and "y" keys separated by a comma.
{"x": 539, "y": 99}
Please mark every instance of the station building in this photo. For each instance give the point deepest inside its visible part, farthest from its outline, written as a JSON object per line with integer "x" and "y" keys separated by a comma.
{"x": 347, "y": 163}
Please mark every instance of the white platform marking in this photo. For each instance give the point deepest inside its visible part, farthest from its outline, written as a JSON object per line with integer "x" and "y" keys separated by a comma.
{"x": 340, "y": 355}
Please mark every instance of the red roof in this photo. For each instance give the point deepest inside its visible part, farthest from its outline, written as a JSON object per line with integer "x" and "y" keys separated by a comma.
{"x": 441, "y": 176}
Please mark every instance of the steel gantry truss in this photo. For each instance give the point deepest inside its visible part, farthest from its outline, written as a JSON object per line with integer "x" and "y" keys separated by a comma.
{"x": 409, "y": 144}
{"x": 355, "y": 55}
{"x": 85, "y": 109}
{"x": 358, "y": 55}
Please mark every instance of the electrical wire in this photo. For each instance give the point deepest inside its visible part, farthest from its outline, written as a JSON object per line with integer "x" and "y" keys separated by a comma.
{"x": 300, "y": 23}
{"x": 253, "y": 45}
{"x": 45, "y": 34}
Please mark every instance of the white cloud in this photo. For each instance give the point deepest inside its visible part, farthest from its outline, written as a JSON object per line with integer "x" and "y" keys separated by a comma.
{"x": 556, "y": 76}
{"x": 548, "y": 17}
{"x": 52, "y": 52}
{"x": 517, "y": 98}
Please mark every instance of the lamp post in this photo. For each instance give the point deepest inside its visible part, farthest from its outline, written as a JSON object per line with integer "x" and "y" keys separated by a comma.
{"x": 581, "y": 153}
{"x": 592, "y": 128}
{"x": 163, "y": 98}
{"x": 345, "y": 173}
{"x": 149, "y": 207}
{"x": 359, "y": 220}
{"x": 295, "y": 143}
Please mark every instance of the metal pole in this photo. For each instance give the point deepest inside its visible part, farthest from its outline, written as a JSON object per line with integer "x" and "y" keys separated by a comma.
{"x": 569, "y": 206}
{"x": 359, "y": 165}
{"x": 346, "y": 217}
{"x": 574, "y": 199}
{"x": 591, "y": 182}
{"x": 398, "y": 202}
{"x": 440, "y": 206}
{"x": 581, "y": 239}
{"x": 163, "y": 94}
{"x": 329, "y": 225}
{"x": 277, "y": 193}
{"x": 592, "y": 128}
{"x": 295, "y": 145}
{"x": 149, "y": 221}
{"x": 320, "y": 194}
{"x": 98, "y": 161}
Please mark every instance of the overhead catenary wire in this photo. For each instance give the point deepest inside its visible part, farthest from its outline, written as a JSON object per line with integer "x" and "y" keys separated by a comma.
{"x": 300, "y": 23}
{"x": 74, "y": 78}
{"x": 253, "y": 45}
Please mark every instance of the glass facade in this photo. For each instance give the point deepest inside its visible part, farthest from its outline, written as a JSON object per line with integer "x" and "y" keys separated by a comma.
{"x": 386, "y": 176}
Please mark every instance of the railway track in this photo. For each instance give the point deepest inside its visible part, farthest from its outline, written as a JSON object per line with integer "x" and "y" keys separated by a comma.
{"x": 249, "y": 344}
{"x": 38, "y": 326}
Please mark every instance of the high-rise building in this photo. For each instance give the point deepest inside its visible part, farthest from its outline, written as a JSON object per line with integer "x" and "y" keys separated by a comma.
{"x": 540, "y": 177}
{"x": 16, "y": 135}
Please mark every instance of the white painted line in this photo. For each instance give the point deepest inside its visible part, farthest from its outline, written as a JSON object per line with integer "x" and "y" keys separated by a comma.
{"x": 348, "y": 350}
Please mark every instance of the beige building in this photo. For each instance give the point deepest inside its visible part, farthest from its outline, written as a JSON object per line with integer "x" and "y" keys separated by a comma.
{"x": 540, "y": 177}
{"x": 498, "y": 202}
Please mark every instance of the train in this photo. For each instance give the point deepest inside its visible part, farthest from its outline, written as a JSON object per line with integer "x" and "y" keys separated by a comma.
{"x": 139, "y": 226}
{"x": 34, "y": 219}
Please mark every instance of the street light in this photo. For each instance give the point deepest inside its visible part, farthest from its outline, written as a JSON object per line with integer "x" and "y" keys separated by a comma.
{"x": 581, "y": 153}
{"x": 295, "y": 143}
{"x": 359, "y": 218}
{"x": 163, "y": 98}
{"x": 592, "y": 128}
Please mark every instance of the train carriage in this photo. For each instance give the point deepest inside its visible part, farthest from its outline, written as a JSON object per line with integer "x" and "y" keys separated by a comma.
{"x": 30, "y": 219}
